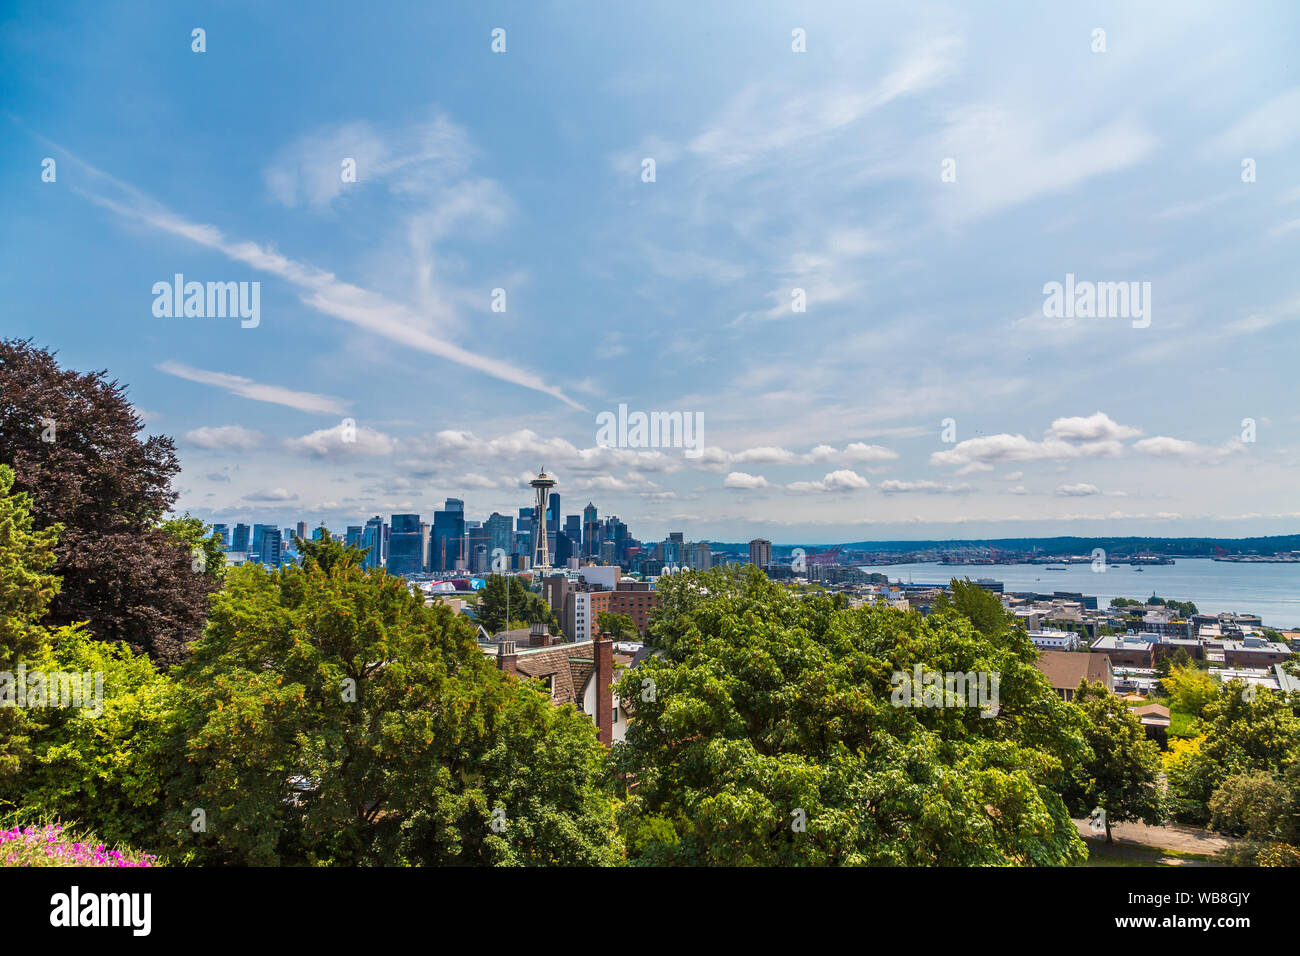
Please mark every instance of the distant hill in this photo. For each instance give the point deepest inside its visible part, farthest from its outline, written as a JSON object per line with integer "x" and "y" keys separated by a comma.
{"x": 1173, "y": 547}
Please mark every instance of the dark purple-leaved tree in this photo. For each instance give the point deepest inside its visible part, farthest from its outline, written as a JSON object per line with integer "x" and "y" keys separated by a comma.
{"x": 73, "y": 441}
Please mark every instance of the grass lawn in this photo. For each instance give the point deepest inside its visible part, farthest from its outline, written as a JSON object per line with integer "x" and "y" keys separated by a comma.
{"x": 1101, "y": 853}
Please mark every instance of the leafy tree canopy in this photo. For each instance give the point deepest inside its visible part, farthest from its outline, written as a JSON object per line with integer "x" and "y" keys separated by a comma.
{"x": 102, "y": 766}
{"x": 26, "y": 589}
{"x": 72, "y": 441}
{"x": 769, "y": 734}
{"x": 523, "y": 605}
{"x": 1189, "y": 688}
{"x": 329, "y": 716}
{"x": 1241, "y": 731}
{"x": 1120, "y": 776}
{"x": 618, "y": 626}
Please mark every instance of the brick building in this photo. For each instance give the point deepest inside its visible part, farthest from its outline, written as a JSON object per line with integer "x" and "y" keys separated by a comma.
{"x": 579, "y": 603}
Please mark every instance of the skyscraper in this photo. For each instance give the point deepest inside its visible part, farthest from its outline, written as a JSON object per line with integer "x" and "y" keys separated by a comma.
{"x": 223, "y": 532}
{"x": 563, "y": 549}
{"x": 760, "y": 552}
{"x": 269, "y": 552}
{"x": 501, "y": 532}
{"x": 258, "y": 531}
{"x": 523, "y": 542}
{"x": 302, "y": 530}
{"x": 476, "y": 533}
{"x": 239, "y": 540}
{"x": 619, "y": 535}
{"x": 525, "y": 526}
{"x": 590, "y": 531}
{"x": 448, "y": 536}
{"x": 353, "y": 538}
{"x": 405, "y": 545}
{"x": 552, "y": 522}
{"x": 372, "y": 538}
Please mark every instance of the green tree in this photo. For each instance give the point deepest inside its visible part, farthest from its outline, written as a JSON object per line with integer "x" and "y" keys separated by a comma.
{"x": 328, "y": 716}
{"x": 618, "y": 626}
{"x": 1121, "y": 774}
{"x": 103, "y": 767}
{"x": 524, "y": 606}
{"x": 1259, "y": 806}
{"x": 1264, "y": 809}
{"x": 330, "y": 555}
{"x": 1241, "y": 731}
{"x": 73, "y": 442}
{"x": 983, "y": 608}
{"x": 202, "y": 542}
{"x": 26, "y": 589}
{"x": 1189, "y": 688}
{"x": 765, "y": 730}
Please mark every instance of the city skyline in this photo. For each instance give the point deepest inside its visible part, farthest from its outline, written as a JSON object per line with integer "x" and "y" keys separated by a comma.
{"x": 498, "y": 278}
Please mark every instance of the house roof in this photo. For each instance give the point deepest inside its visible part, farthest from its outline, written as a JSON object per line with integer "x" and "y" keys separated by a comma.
{"x": 1064, "y": 669}
{"x": 1151, "y": 710}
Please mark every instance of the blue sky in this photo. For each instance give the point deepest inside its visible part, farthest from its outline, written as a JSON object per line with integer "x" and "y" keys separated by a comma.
{"x": 775, "y": 170}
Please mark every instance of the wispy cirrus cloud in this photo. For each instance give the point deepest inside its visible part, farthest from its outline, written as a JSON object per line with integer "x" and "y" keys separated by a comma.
{"x": 1162, "y": 446}
{"x": 257, "y": 391}
{"x": 318, "y": 288}
{"x": 753, "y": 129}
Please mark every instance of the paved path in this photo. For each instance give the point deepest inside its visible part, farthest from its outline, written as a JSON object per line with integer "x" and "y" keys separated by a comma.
{"x": 1171, "y": 837}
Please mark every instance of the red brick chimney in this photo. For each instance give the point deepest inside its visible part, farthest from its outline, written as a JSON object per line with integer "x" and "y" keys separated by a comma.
{"x": 604, "y": 648}
{"x": 507, "y": 657}
{"x": 538, "y": 635}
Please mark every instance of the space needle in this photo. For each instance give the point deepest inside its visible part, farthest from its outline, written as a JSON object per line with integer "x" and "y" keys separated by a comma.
{"x": 543, "y": 484}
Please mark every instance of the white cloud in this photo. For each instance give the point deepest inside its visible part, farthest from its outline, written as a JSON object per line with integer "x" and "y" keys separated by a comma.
{"x": 274, "y": 494}
{"x": 893, "y": 487}
{"x": 739, "y": 479}
{"x": 755, "y": 127}
{"x": 988, "y": 141}
{"x": 1271, "y": 126}
{"x": 1003, "y": 447}
{"x": 233, "y": 437}
{"x": 247, "y": 388}
{"x": 342, "y": 441}
{"x": 1096, "y": 427}
{"x": 718, "y": 459}
{"x": 1162, "y": 446}
{"x": 322, "y": 290}
{"x": 1080, "y": 490}
{"x": 842, "y": 480}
